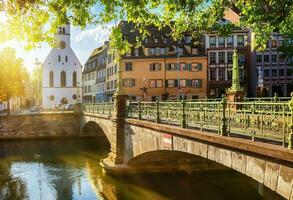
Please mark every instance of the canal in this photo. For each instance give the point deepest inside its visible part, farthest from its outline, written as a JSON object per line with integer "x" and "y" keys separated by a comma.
{"x": 67, "y": 169}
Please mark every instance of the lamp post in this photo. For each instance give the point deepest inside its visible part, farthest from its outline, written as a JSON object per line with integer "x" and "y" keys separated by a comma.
{"x": 235, "y": 93}
{"x": 37, "y": 64}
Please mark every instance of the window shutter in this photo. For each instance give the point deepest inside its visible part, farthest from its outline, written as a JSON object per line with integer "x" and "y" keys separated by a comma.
{"x": 199, "y": 83}
{"x": 159, "y": 66}
{"x": 188, "y": 67}
{"x": 176, "y": 83}
{"x": 199, "y": 66}
{"x": 133, "y": 82}
{"x": 189, "y": 83}
{"x": 151, "y": 67}
{"x": 177, "y": 66}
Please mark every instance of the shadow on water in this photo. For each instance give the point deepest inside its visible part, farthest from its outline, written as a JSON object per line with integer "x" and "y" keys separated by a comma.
{"x": 68, "y": 169}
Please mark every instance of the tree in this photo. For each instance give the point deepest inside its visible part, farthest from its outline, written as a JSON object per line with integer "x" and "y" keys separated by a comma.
{"x": 12, "y": 75}
{"x": 198, "y": 16}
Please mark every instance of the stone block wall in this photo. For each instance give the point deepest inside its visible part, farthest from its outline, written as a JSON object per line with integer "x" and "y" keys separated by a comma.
{"x": 43, "y": 125}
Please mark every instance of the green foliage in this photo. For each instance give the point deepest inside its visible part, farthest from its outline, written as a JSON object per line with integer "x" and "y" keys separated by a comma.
{"x": 13, "y": 75}
{"x": 35, "y": 21}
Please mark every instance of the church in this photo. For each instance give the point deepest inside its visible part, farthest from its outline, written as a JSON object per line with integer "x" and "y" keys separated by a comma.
{"x": 61, "y": 72}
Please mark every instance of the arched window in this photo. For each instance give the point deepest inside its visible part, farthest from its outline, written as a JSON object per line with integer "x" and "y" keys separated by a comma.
{"x": 63, "y": 79}
{"x": 51, "y": 79}
{"x": 74, "y": 79}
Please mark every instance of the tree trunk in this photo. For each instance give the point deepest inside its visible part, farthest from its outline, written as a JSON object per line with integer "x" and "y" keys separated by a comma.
{"x": 8, "y": 107}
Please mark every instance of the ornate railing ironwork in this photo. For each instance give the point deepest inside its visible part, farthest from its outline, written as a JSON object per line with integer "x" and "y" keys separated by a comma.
{"x": 105, "y": 108}
{"x": 265, "y": 121}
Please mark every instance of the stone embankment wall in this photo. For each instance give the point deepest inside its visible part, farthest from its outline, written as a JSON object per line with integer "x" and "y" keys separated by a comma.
{"x": 43, "y": 125}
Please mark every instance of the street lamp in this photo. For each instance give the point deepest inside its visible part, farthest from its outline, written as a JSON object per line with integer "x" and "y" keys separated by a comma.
{"x": 37, "y": 63}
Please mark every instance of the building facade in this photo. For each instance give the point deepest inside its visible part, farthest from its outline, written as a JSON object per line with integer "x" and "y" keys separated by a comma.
{"x": 61, "y": 72}
{"x": 160, "y": 68}
{"x": 220, "y": 57}
{"x": 111, "y": 76}
{"x": 275, "y": 69}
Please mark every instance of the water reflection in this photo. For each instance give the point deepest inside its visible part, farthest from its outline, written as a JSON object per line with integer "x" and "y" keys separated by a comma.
{"x": 69, "y": 169}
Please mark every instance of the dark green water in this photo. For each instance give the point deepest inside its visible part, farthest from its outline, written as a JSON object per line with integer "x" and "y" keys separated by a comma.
{"x": 69, "y": 169}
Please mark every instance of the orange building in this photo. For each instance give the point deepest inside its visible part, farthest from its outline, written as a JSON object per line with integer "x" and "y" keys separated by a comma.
{"x": 149, "y": 78}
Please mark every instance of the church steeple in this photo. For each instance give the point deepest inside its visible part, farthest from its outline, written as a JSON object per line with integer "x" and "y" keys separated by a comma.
{"x": 63, "y": 34}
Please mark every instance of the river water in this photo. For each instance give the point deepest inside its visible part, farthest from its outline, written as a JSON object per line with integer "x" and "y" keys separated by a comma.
{"x": 69, "y": 169}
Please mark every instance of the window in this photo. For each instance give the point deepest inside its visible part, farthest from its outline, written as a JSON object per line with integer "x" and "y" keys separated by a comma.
{"x": 128, "y": 82}
{"x": 213, "y": 75}
{"x": 146, "y": 40}
{"x": 151, "y": 51}
{"x": 259, "y": 58}
{"x": 63, "y": 30}
{"x": 221, "y": 74}
{"x": 171, "y": 67}
{"x": 240, "y": 40}
{"x": 274, "y": 72}
{"x": 273, "y": 43}
{"x": 221, "y": 57}
{"x": 280, "y": 43}
{"x": 171, "y": 83}
{"x": 213, "y": 57}
{"x": 51, "y": 79}
{"x": 74, "y": 79}
{"x": 156, "y": 40}
{"x": 182, "y": 83}
{"x": 230, "y": 41}
{"x": 180, "y": 51}
{"x": 63, "y": 79}
{"x": 136, "y": 51}
{"x": 165, "y": 40}
{"x": 66, "y": 59}
{"x": 182, "y": 66}
{"x": 156, "y": 83}
{"x": 230, "y": 57}
{"x": 266, "y": 73}
{"x": 196, "y": 67}
{"x": 221, "y": 41}
{"x": 281, "y": 72}
{"x": 59, "y": 58}
{"x": 212, "y": 41}
{"x": 194, "y": 51}
{"x": 188, "y": 39}
{"x": 266, "y": 58}
{"x": 197, "y": 83}
{"x": 274, "y": 58}
{"x": 128, "y": 66}
{"x": 155, "y": 67}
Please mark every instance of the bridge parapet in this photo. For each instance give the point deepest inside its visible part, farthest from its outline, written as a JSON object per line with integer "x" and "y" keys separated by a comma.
{"x": 266, "y": 121}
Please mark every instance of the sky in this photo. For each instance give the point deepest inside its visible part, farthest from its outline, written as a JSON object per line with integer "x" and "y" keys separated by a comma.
{"x": 83, "y": 42}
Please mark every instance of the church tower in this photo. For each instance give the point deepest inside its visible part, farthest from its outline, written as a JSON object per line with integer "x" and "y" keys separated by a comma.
{"x": 61, "y": 72}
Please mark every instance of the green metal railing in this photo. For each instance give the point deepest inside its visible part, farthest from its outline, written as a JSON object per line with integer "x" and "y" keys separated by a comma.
{"x": 266, "y": 121}
{"x": 105, "y": 108}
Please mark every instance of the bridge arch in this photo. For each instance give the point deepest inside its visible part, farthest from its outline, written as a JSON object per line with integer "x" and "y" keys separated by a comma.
{"x": 92, "y": 128}
{"x": 168, "y": 160}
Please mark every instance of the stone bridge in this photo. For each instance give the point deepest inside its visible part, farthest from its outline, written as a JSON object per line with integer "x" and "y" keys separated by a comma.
{"x": 136, "y": 144}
